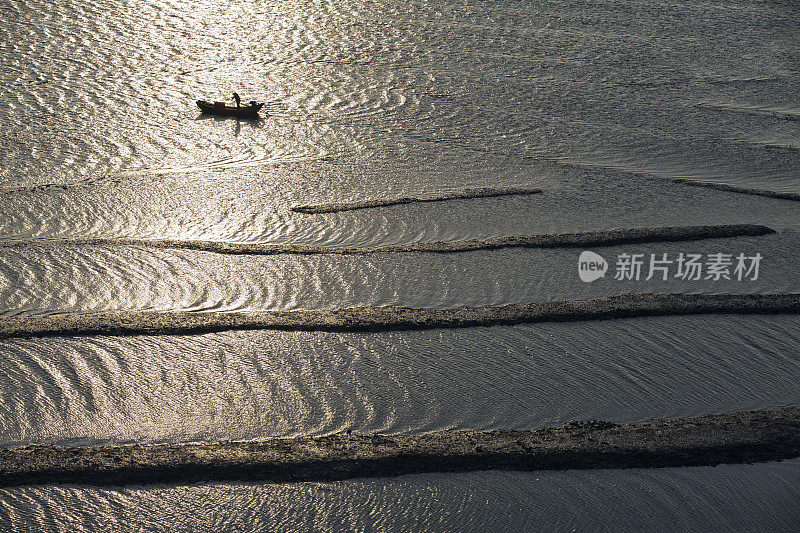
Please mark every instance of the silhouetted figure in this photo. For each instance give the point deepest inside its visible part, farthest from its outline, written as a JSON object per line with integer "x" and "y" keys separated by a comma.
{"x": 238, "y": 100}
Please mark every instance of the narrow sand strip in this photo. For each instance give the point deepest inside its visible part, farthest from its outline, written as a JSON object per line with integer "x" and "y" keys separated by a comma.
{"x": 743, "y": 437}
{"x": 482, "y": 192}
{"x": 743, "y": 190}
{"x": 365, "y": 319}
{"x": 563, "y": 240}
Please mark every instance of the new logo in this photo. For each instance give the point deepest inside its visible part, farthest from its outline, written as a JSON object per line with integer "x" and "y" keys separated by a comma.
{"x": 591, "y": 266}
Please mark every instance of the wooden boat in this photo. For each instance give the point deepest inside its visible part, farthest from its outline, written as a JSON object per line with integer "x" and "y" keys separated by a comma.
{"x": 221, "y": 108}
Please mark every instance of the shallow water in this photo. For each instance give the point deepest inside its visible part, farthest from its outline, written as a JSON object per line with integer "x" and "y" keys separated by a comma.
{"x": 728, "y": 497}
{"x": 599, "y": 104}
{"x": 244, "y": 385}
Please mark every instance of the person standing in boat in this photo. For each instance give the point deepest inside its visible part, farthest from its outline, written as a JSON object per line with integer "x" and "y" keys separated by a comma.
{"x": 238, "y": 100}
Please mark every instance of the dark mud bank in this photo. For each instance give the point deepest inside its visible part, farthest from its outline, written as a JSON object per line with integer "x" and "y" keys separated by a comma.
{"x": 563, "y": 240}
{"x": 743, "y": 437}
{"x": 369, "y": 319}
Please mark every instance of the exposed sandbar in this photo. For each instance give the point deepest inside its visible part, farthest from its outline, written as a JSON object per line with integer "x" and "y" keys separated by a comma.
{"x": 743, "y": 190}
{"x": 562, "y": 240}
{"x": 366, "y": 319}
{"x": 482, "y": 192}
{"x": 742, "y": 437}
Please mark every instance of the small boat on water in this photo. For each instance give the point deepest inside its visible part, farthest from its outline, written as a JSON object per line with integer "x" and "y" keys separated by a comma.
{"x": 221, "y": 108}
